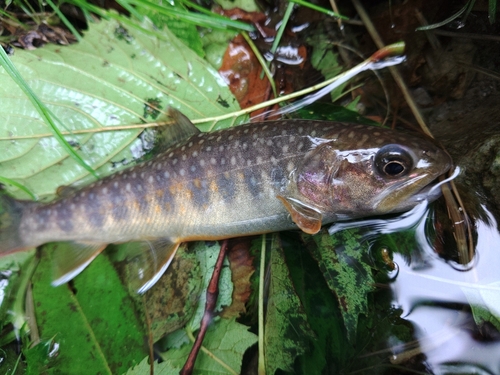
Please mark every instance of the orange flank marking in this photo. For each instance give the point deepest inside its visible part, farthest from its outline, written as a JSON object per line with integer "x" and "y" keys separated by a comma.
{"x": 214, "y": 188}
{"x": 197, "y": 183}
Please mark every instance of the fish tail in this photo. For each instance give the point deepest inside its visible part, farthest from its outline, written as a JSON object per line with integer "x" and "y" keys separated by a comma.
{"x": 11, "y": 213}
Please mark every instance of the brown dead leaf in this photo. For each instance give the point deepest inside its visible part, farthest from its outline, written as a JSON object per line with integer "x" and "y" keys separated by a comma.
{"x": 241, "y": 264}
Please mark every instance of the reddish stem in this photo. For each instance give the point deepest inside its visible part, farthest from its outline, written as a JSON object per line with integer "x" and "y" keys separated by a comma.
{"x": 212, "y": 294}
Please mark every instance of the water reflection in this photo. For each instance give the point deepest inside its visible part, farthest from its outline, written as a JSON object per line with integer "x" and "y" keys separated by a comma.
{"x": 442, "y": 303}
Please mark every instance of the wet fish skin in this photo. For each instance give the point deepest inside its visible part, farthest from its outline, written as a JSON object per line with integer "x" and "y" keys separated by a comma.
{"x": 250, "y": 179}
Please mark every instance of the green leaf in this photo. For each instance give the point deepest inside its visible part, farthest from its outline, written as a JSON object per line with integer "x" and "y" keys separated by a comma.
{"x": 485, "y": 303}
{"x": 207, "y": 256}
{"x": 116, "y": 76}
{"x": 225, "y": 343}
{"x": 143, "y": 368}
{"x": 186, "y": 32}
{"x": 93, "y": 326}
{"x": 287, "y": 331}
{"x": 246, "y": 5}
{"x": 348, "y": 275}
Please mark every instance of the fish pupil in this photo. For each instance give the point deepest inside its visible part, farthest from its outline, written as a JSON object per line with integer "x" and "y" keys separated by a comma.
{"x": 394, "y": 168}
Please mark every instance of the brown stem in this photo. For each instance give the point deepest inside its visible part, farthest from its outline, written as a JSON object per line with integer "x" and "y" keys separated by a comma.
{"x": 212, "y": 294}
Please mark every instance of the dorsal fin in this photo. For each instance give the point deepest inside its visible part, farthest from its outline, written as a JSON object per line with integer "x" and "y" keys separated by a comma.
{"x": 181, "y": 130}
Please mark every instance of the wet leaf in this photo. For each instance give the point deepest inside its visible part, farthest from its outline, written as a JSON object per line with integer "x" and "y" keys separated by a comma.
{"x": 348, "y": 275}
{"x": 242, "y": 269}
{"x": 485, "y": 303}
{"x": 173, "y": 300}
{"x": 143, "y": 368}
{"x": 93, "y": 327}
{"x": 287, "y": 332}
{"x": 207, "y": 253}
{"x": 226, "y": 340}
{"x": 115, "y": 76}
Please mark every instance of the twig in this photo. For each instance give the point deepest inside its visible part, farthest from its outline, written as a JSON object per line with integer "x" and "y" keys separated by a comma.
{"x": 212, "y": 294}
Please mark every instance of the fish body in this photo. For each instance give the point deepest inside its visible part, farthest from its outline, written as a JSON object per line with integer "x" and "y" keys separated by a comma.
{"x": 251, "y": 179}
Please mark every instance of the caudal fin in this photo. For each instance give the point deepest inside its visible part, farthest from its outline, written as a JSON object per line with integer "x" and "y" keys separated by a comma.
{"x": 11, "y": 211}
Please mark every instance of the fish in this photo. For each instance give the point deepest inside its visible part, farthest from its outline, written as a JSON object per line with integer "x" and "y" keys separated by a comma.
{"x": 246, "y": 180}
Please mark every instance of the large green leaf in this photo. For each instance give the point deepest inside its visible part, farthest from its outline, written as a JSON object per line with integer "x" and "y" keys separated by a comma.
{"x": 340, "y": 258}
{"x": 93, "y": 325}
{"x": 287, "y": 331}
{"x": 114, "y": 77}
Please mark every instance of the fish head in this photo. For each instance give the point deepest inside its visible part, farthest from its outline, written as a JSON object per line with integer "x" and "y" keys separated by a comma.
{"x": 378, "y": 173}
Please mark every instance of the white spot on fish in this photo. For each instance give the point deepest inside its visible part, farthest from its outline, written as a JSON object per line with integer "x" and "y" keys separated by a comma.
{"x": 264, "y": 127}
{"x": 120, "y": 173}
{"x": 128, "y": 187}
{"x": 150, "y": 179}
{"x": 255, "y": 136}
{"x": 291, "y": 139}
{"x": 193, "y": 168}
{"x": 184, "y": 156}
{"x": 149, "y": 163}
{"x": 158, "y": 166}
{"x": 190, "y": 144}
{"x": 82, "y": 194}
{"x": 200, "y": 142}
{"x": 218, "y": 138}
{"x": 183, "y": 148}
{"x": 300, "y": 146}
{"x": 182, "y": 172}
{"x": 91, "y": 196}
{"x": 115, "y": 184}
{"x": 283, "y": 132}
{"x": 269, "y": 142}
{"x": 143, "y": 175}
{"x": 300, "y": 129}
{"x": 249, "y": 162}
{"x": 230, "y": 138}
{"x": 221, "y": 148}
{"x": 213, "y": 161}
{"x": 171, "y": 154}
{"x": 313, "y": 133}
{"x": 208, "y": 149}
{"x": 245, "y": 131}
{"x": 139, "y": 187}
{"x": 274, "y": 160}
{"x": 285, "y": 149}
{"x": 223, "y": 161}
{"x": 166, "y": 174}
{"x": 195, "y": 154}
{"x": 174, "y": 162}
{"x": 290, "y": 166}
{"x": 202, "y": 163}
{"x": 105, "y": 190}
{"x": 259, "y": 159}
{"x": 233, "y": 160}
{"x": 72, "y": 206}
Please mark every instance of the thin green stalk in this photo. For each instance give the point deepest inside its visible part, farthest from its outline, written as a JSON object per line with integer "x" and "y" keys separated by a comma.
{"x": 129, "y": 8}
{"x": 207, "y": 20}
{"x": 64, "y": 20}
{"x": 262, "y": 61}
{"x": 262, "y": 273}
{"x": 282, "y": 27}
{"x": 8, "y": 181}
{"x": 319, "y": 9}
{"x": 42, "y": 110}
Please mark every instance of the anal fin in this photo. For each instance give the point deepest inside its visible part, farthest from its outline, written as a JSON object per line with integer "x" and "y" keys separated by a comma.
{"x": 147, "y": 261}
{"x": 71, "y": 258}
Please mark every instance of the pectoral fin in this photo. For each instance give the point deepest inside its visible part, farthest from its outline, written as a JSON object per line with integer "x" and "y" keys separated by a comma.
{"x": 147, "y": 261}
{"x": 71, "y": 258}
{"x": 307, "y": 218}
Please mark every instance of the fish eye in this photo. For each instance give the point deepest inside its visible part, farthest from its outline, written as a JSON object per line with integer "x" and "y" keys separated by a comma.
{"x": 393, "y": 161}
